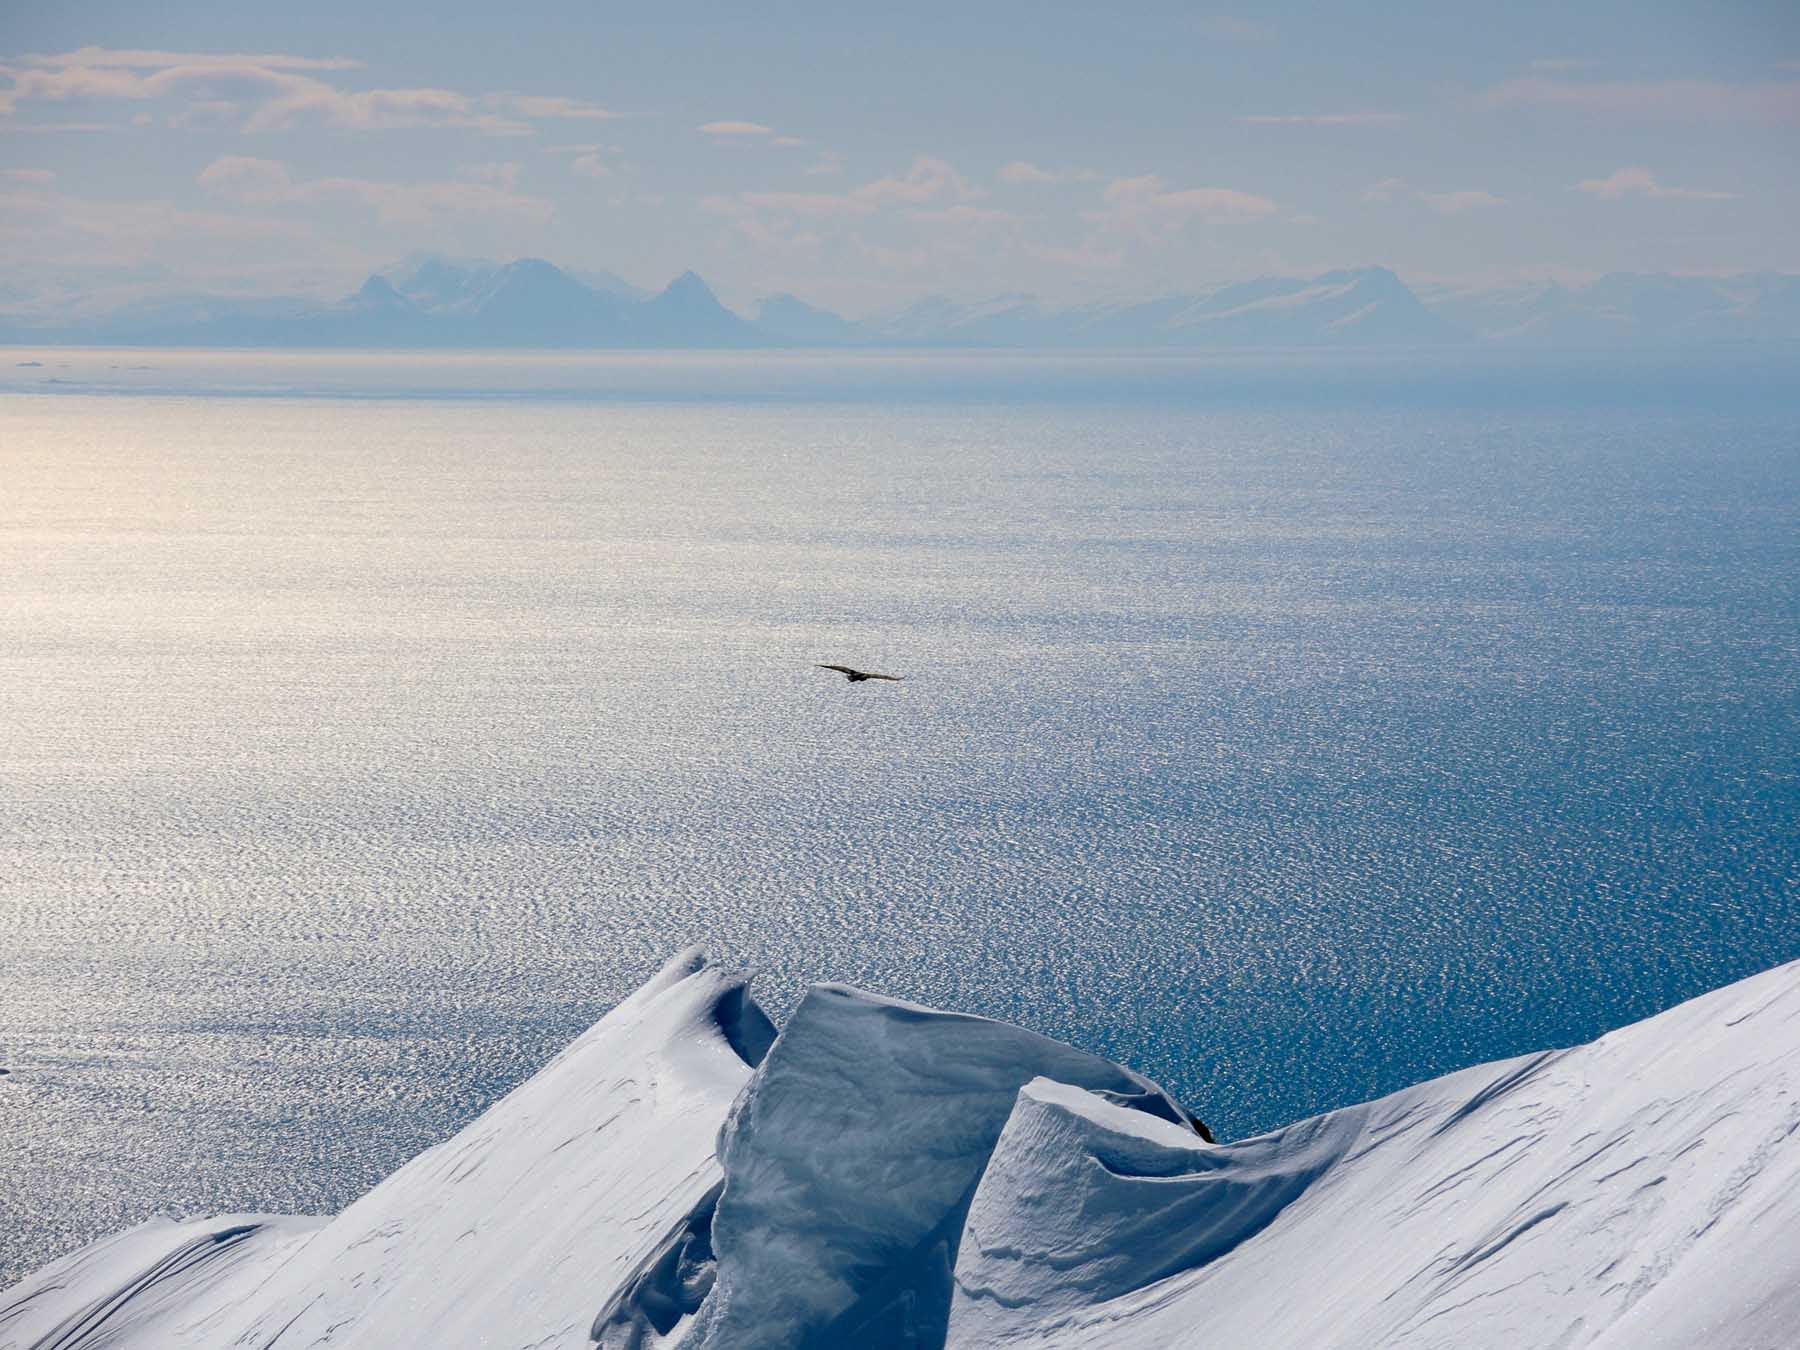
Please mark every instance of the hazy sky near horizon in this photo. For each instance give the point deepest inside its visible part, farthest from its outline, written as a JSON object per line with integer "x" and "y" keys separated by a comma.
{"x": 860, "y": 156}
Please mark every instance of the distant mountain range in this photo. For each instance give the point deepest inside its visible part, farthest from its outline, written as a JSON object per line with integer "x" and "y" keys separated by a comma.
{"x": 433, "y": 301}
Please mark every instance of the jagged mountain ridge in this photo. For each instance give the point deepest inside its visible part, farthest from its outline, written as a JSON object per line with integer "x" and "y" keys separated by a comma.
{"x": 1346, "y": 308}
{"x": 429, "y": 300}
{"x": 1625, "y": 308}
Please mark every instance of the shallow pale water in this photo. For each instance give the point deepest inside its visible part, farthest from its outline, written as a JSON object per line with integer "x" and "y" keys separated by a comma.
{"x": 355, "y": 753}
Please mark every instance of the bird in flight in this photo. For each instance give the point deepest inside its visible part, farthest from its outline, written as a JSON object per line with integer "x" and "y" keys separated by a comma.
{"x": 858, "y": 676}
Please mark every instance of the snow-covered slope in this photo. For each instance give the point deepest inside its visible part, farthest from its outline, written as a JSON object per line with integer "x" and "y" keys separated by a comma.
{"x": 512, "y": 1233}
{"x": 160, "y": 1283}
{"x": 1640, "y": 1191}
{"x": 504, "y": 1235}
{"x": 893, "y": 1176}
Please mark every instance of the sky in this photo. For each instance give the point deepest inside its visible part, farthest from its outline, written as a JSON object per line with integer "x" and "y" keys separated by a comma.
{"x": 863, "y": 156}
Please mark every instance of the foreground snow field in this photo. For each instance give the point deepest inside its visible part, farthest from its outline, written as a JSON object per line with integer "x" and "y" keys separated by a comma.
{"x": 882, "y": 1175}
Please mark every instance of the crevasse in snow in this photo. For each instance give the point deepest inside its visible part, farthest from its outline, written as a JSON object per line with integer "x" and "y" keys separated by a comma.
{"x": 882, "y": 1175}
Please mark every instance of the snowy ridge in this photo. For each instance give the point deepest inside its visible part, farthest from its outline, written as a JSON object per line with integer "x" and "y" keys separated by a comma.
{"x": 549, "y": 1195}
{"x": 883, "y": 1175}
{"x": 1636, "y": 1192}
{"x": 1083, "y": 1204}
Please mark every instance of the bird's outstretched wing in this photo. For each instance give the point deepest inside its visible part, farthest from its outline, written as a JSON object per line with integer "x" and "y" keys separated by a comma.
{"x": 852, "y": 674}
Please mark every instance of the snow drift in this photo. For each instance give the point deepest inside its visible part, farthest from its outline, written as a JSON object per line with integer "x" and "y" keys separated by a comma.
{"x": 882, "y": 1175}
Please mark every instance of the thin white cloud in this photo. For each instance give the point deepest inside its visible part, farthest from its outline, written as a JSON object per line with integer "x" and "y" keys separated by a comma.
{"x": 1562, "y": 64}
{"x": 1337, "y": 119}
{"x": 247, "y": 180}
{"x": 209, "y": 79}
{"x": 1656, "y": 100}
{"x": 551, "y": 106}
{"x": 39, "y": 176}
{"x": 588, "y": 161}
{"x": 962, "y": 215}
{"x": 1622, "y": 183}
{"x": 1148, "y": 208}
{"x": 927, "y": 178}
{"x": 735, "y": 129}
{"x": 272, "y": 93}
{"x": 1391, "y": 190}
{"x": 828, "y": 163}
{"x": 137, "y": 59}
{"x": 930, "y": 193}
{"x": 1021, "y": 172}
{"x": 66, "y": 83}
{"x": 381, "y": 110}
{"x": 43, "y": 128}
{"x": 747, "y": 133}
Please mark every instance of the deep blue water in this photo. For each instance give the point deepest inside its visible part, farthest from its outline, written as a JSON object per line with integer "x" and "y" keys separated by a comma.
{"x": 359, "y": 752}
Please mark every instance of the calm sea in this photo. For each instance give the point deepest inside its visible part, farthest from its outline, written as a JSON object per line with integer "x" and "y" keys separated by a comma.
{"x": 1290, "y": 733}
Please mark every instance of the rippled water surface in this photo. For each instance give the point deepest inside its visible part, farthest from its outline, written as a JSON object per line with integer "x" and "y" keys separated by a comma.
{"x": 354, "y": 754}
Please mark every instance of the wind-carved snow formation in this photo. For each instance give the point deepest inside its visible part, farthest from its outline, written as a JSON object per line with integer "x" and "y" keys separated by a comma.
{"x": 882, "y": 1175}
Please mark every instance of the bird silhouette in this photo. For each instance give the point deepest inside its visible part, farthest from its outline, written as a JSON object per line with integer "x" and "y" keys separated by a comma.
{"x": 858, "y": 676}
